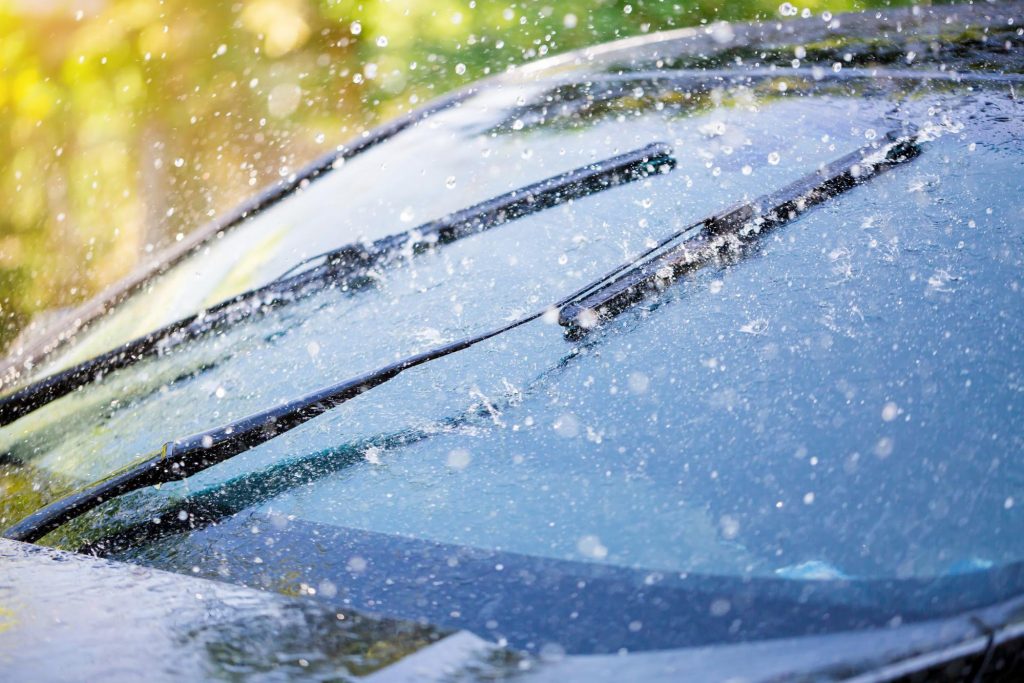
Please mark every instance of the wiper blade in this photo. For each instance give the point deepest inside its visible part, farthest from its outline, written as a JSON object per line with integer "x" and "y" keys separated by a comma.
{"x": 346, "y": 265}
{"x": 184, "y": 457}
{"x": 721, "y": 233}
{"x": 609, "y": 294}
{"x": 586, "y": 180}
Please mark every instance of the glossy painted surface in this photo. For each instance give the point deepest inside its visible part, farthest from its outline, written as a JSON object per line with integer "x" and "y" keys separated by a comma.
{"x": 65, "y": 617}
{"x": 70, "y": 618}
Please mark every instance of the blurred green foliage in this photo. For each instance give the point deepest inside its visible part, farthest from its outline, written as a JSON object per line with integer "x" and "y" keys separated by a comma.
{"x": 125, "y": 123}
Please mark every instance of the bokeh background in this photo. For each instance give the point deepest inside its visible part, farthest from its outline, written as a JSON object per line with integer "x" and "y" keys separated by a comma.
{"x": 126, "y": 123}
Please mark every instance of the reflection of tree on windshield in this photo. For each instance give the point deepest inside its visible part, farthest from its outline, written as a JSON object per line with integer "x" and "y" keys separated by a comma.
{"x": 133, "y": 123}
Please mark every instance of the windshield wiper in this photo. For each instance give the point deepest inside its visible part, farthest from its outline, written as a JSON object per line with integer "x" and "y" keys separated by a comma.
{"x": 345, "y": 266}
{"x": 609, "y": 294}
{"x": 721, "y": 234}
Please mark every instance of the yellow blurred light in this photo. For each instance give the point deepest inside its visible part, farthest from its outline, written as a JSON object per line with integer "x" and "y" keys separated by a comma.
{"x": 280, "y": 22}
{"x": 33, "y": 97}
{"x": 153, "y": 40}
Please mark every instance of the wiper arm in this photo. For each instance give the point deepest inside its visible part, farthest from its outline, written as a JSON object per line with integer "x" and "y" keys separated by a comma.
{"x": 184, "y": 457}
{"x": 723, "y": 232}
{"x": 345, "y": 265}
{"x": 604, "y": 297}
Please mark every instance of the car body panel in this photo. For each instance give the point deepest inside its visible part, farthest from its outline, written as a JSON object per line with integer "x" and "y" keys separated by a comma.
{"x": 709, "y": 476}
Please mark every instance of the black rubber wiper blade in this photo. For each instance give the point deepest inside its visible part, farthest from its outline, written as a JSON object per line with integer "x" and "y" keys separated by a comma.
{"x": 184, "y": 457}
{"x": 721, "y": 233}
{"x": 346, "y": 265}
{"x": 545, "y": 194}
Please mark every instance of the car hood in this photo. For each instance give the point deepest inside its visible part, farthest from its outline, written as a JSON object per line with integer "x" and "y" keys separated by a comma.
{"x": 65, "y": 616}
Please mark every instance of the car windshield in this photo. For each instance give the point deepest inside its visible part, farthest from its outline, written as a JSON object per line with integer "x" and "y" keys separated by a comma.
{"x": 815, "y": 432}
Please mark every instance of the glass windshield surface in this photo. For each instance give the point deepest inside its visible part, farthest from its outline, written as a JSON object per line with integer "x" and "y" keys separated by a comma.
{"x": 838, "y": 406}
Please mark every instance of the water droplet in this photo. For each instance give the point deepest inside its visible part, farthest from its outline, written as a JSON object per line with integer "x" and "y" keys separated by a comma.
{"x": 884, "y": 447}
{"x": 638, "y": 382}
{"x": 284, "y": 99}
{"x": 567, "y": 426}
{"x": 591, "y": 546}
{"x": 720, "y": 607}
{"x": 730, "y": 527}
{"x": 372, "y": 455}
{"x": 459, "y": 459}
{"x": 587, "y": 318}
